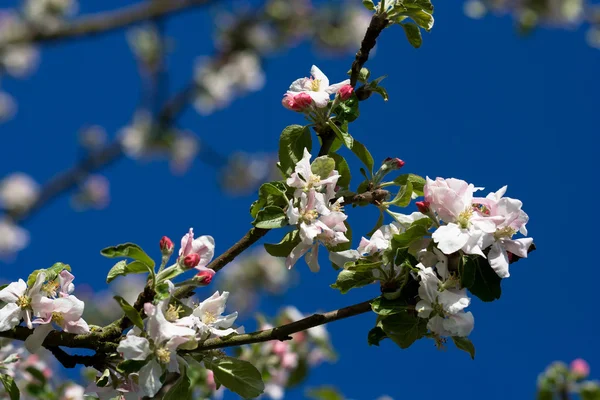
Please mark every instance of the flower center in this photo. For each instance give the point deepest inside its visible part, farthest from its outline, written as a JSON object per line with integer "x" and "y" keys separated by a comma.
{"x": 208, "y": 318}
{"x": 23, "y": 301}
{"x": 51, "y": 288}
{"x": 172, "y": 313}
{"x": 464, "y": 218}
{"x": 313, "y": 182}
{"x": 315, "y": 85}
{"x": 506, "y": 232}
{"x": 163, "y": 355}
{"x": 309, "y": 216}
{"x": 58, "y": 318}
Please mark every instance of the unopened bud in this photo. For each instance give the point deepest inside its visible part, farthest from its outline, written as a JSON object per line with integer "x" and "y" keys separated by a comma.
{"x": 166, "y": 245}
{"x": 580, "y": 369}
{"x": 345, "y": 92}
{"x": 296, "y": 101}
{"x": 204, "y": 277}
{"x": 423, "y": 206}
{"x": 191, "y": 260}
{"x": 393, "y": 163}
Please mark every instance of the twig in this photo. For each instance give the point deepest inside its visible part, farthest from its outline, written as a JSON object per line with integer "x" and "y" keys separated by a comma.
{"x": 371, "y": 197}
{"x": 94, "y": 341}
{"x": 377, "y": 25}
{"x": 283, "y": 332}
{"x": 108, "y": 21}
{"x": 71, "y": 361}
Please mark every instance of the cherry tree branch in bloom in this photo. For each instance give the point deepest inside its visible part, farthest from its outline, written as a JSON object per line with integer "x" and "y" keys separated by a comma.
{"x": 109, "y": 21}
{"x": 284, "y": 332}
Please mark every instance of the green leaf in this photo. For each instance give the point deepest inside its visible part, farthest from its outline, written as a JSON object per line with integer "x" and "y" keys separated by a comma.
{"x": 404, "y": 196}
{"x": 413, "y": 34}
{"x": 37, "y": 374}
{"x": 341, "y": 165}
{"x": 464, "y": 344}
{"x": 369, "y": 5}
{"x": 347, "y": 280}
{"x": 487, "y": 284}
{"x": 362, "y": 265}
{"x": 382, "y": 92}
{"x": 51, "y": 273}
{"x": 285, "y": 247}
{"x": 130, "y": 366}
{"x": 181, "y": 389}
{"x": 418, "y": 182}
{"x": 375, "y": 336}
{"x": 299, "y": 374}
{"x": 467, "y": 268}
{"x": 10, "y": 386}
{"x": 270, "y": 217}
{"x": 128, "y": 250}
{"x": 357, "y": 148}
{"x": 324, "y": 393}
{"x": 237, "y": 375}
{"x": 405, "y": 238}
{"x": 270, "y": 194}
{"x": 422, "y": 18}
{"x": 385, "y": 307}
{"x": 347, "y": 110}
{"x": 404, "y": 329}
{"x": 103, "y": 380}
{"x": 292, "y": 142}
{"x": 130, "y": 312}
{"x": 322, "y": 166}
{"x": 122, "y": 268}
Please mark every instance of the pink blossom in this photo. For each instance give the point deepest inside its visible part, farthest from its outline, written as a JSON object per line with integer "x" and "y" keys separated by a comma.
{"x": 580, "y": 368}
{"x": 296, "y": 101}
{"x": 345, "y": 92}
{"x": 203, "y": 246}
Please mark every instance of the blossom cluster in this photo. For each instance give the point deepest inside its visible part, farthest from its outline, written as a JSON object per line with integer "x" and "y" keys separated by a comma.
{"x": 315, "y": 209}
{"x": 165, "y": 332}
{"x": 464, "y": 224}
{"x": 44, "y": 302}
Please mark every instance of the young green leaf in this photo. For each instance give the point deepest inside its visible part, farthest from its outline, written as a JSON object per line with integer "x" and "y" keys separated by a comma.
{"x": 418, "y": 182}
{"x": 130, "y": 312}
{"x": 357, "y": 148}
{"x": 270, "y": 217}
{"x": 122, "y": 268}
{"x": 323, "y": 166}
{"x": 181, "y": 389}
{"x": 385, "y": 307}
{"x": 284, "y": 248}
{"x": 404, "y": 328}
{"x": 341, "y": 166}
{"x": 404, "y": 196}
{"x": 128, "y": 250}
{"x": 375, "y": 336}
{"x": 292, "y": 142}
{"x": 464, "y": 344}
{"x": 413, "y": 34}
{"x": 347, "y": 280}
{"x": 10, "y": 386}
{"x": 237, "y": 375}
{"x": 487, "y": 283}
{"x": 51, "y": 273}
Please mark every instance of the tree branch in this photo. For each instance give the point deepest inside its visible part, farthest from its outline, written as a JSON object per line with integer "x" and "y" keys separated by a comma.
{"x": 283, "y": 332}
{"x": 94, "y": 341}
{"x": 378, "y": 23}
{"x": 108, "y": 21}
{"x": 371, "y": 197}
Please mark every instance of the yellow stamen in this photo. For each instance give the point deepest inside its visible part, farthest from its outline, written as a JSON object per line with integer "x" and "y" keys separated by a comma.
{"x": 163, "y": 355}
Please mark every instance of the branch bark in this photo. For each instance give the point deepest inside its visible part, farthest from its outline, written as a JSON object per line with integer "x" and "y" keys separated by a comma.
{"x": 284, "y": 332}
{"x": 109, "y": 21}
{"x": 378, "y": 23}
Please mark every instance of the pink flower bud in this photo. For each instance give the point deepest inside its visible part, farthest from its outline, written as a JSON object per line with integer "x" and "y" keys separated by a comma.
{"x": 580, "y": 368}
{"x": 423, "y": 206}
{"x": 394, "y": 163}
{"x": 166, "y": 245}
{"x": 191, "y": 260}
{"x": 296, "y": 101}
{"x": 205, "y": 277}
{"x": 345, "y": 92}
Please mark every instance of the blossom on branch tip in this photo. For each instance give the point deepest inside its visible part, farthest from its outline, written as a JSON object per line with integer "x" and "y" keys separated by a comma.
{"x": 166, "y": 245}
{"x": 296, "y": 101}
{"x": 21, "y": 303}
{"x": 317, "y": 87}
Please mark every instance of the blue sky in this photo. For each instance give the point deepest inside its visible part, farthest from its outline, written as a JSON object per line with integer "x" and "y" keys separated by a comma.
{"x": 476, "y": 102}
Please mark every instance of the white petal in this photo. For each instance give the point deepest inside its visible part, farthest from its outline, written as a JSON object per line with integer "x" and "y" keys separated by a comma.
{"x": 342, "y": 257}
{"x": 518, "y": 246}
{"x": 150, "y": 378}
{"x": 454, "y": 300}
{"x": 498, "y": 260}
{"x": 134, "y": 348}
{"x": 312, "y": 259}
{"x": 321, "y": 99}
{"x": 10, "y": 316}
{"x": 34, "y": 341}
{"x": 336, "y": 86}
{"x": 460, "y": 324}
{"x": 318, "y": 74}
{"x": 13, "y": 291}
{"x": 450, "y": 238}
{"x": 295, "y": 254}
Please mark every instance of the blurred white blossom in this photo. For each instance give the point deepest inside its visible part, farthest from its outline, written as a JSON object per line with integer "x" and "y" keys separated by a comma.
{"x": 18, "y": 191}
{"x": 48, "y": 15}
{"x": 184, "y": 149}
{"x": 8, "y": 106}
{"x": 93, "y": 193}
{"x": 13, "y": 238}
{"x": 20, "y": 59}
